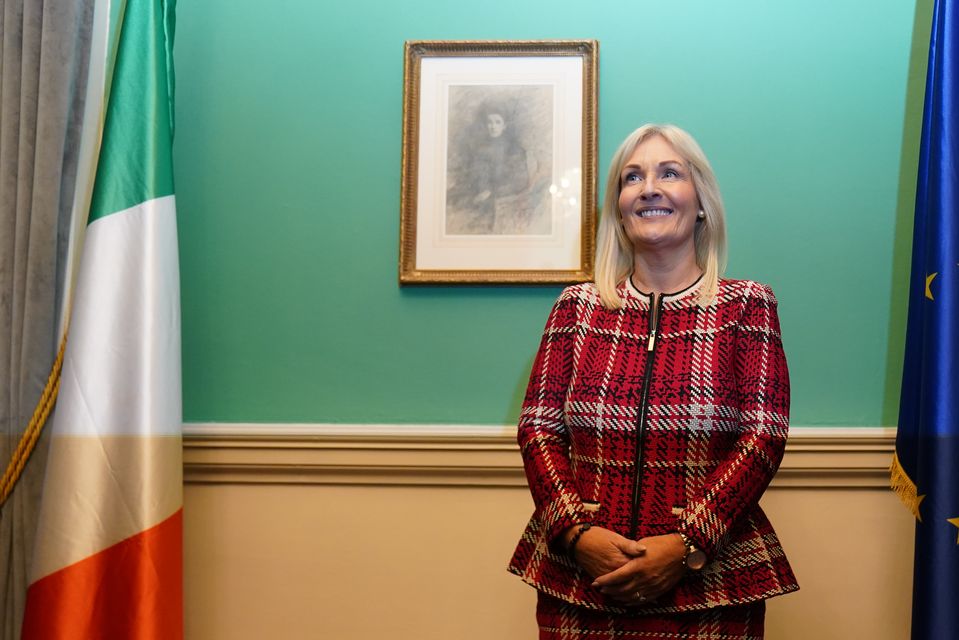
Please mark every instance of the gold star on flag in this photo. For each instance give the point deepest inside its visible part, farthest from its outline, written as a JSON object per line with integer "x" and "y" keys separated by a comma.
{"x": 929, "y": 280}
{"x": 954, "y": 521}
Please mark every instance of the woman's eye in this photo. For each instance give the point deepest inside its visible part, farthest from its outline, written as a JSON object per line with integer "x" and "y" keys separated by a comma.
{"x": 670, "y": 173}
{"x": 631, "y": 178}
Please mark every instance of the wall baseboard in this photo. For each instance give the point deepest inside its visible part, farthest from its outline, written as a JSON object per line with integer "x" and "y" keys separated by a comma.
{"x": 471, "y": 455}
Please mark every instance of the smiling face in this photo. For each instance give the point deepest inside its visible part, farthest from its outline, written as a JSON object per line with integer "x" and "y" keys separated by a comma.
{"x": 657, "y": 198}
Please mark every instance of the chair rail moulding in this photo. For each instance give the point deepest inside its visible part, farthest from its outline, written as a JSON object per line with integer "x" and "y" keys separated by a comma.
{"x": 471, "y": 455}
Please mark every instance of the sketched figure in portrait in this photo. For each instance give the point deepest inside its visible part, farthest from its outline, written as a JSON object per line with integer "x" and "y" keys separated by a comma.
{"x": 495, "y": 185}
{"x": 499, "y": 175}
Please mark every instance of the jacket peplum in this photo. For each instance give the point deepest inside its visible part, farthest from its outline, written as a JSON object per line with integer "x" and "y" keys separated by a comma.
{"x": 649, "y": 432}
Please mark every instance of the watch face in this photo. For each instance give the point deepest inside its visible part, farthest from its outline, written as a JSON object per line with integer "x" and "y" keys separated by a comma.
{"x": 696, "y": 559}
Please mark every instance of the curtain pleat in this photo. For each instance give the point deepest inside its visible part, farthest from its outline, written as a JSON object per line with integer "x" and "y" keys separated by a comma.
{"x": 44, "y": 55}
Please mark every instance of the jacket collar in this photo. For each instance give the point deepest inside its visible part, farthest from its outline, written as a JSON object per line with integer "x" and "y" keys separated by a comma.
{"x": 632, "y": 291}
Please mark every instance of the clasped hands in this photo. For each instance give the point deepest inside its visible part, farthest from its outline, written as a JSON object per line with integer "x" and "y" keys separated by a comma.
{"x": 630, "y": 571}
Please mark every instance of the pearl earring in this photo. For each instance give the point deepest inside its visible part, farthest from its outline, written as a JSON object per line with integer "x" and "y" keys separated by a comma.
{"x": 702, "y": 215}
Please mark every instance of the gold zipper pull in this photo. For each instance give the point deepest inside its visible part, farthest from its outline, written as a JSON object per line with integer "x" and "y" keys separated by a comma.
{"x": 653, "y": 322}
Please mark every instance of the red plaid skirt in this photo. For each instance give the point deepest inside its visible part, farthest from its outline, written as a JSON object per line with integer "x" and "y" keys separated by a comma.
{"x": 560, "y": 620}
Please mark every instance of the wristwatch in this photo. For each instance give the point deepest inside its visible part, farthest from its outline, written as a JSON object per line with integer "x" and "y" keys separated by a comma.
{"x": 695, "y": 559}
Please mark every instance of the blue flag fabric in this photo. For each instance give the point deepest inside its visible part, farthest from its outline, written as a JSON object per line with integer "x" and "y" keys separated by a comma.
{"x": 925, "y": 469}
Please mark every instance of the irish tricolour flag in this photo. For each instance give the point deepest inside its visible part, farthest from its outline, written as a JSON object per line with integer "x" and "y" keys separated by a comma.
{"x": 108, "y": 555}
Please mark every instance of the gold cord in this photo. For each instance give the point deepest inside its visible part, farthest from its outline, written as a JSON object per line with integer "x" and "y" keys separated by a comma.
{"x": 29, "y": 438}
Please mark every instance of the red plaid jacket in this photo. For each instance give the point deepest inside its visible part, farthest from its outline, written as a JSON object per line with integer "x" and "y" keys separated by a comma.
{"x": 711, "y": 389}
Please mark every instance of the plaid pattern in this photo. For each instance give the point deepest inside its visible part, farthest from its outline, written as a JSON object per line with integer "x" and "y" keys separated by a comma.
{"x": 560, "y": 620}
{"x": 716, "y": 428}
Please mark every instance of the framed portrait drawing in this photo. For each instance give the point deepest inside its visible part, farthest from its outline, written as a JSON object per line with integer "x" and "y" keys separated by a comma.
{"x": 499, "y": 161}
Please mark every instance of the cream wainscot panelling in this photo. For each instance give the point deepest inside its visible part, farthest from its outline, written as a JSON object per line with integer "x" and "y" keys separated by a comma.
{"x": 404, "y": 531}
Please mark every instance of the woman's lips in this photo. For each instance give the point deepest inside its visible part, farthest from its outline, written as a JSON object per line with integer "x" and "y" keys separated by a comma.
{"x": 653, "y": 213}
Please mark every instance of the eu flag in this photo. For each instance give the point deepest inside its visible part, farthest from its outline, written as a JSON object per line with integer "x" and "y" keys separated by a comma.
{"x": 925, "y": 469}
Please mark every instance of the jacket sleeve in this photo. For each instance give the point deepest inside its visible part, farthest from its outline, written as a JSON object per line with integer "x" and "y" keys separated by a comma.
{"x": 542, "y": 433}
{"x": 762, "y": 379}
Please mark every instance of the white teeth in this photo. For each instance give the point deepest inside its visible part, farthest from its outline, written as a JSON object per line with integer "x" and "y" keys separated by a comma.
{"x": 654, "y": 213}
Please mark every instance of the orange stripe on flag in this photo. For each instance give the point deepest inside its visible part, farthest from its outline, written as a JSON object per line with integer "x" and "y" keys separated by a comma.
{"x": 133, "y": 589}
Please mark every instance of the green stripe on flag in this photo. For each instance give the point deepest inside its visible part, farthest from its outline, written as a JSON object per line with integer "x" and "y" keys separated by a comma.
{"x": 135, "y": 156}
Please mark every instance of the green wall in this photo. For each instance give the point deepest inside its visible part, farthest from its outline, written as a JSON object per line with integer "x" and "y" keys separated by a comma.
{"x": 288, "y": 167}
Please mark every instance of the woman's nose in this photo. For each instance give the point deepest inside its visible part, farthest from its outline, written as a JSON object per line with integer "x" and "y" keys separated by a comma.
{"x": 650, "y": 190}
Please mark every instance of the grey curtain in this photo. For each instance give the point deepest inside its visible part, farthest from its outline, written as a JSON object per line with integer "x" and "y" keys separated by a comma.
{"x": 44, "y": 54}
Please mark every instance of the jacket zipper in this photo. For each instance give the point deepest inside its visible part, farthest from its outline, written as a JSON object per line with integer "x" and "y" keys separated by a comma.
{"x": 654, "y": 316}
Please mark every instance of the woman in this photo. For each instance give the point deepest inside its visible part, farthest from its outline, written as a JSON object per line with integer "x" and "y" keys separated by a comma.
{"x": 499, "y": 162}
{"x": 500, "y": 173}
{"x": 655, "y": 417}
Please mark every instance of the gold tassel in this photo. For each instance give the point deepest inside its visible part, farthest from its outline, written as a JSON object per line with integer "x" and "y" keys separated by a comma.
{"x": 903, "y": 485}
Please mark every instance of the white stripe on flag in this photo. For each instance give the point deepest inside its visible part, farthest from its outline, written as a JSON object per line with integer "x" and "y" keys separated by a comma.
{"x": 121, "y": 375}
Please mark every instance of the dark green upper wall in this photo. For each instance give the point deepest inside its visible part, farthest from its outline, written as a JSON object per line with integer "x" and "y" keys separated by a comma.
{"x": 287, "y": 166}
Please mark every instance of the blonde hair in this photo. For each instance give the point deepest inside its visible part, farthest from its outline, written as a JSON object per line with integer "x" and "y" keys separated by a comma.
{"x": 614, "y": 251}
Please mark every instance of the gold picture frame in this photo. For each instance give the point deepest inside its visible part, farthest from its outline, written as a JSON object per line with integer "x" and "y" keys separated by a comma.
{"x": 499, "y": 161}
